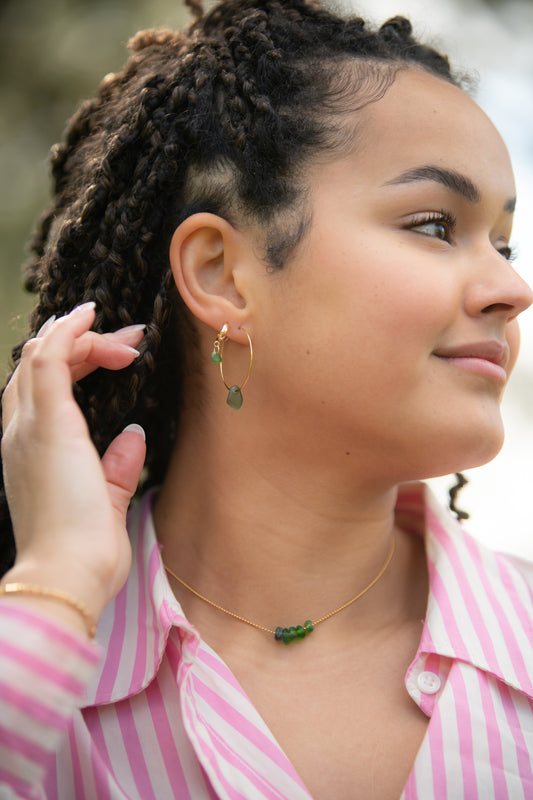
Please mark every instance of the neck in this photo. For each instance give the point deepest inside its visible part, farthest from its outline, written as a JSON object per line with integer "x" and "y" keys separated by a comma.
{"x": 274, "y": 539}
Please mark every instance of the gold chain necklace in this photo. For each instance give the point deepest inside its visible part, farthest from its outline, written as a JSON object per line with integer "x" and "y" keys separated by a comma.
{"x": 295, "y": 632}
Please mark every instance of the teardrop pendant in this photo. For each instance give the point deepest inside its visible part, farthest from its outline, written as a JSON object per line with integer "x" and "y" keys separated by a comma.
{"x": 234, "y": 399}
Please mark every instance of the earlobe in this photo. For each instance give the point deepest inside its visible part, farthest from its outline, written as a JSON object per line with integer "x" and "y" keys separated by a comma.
{"x": 205, "y": 253}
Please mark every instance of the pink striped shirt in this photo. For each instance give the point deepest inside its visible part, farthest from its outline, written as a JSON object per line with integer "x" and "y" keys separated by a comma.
{"x": 161, "y": 716}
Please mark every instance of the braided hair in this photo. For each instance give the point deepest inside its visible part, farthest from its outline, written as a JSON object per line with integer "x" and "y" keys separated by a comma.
{"x": 219, "y": 118}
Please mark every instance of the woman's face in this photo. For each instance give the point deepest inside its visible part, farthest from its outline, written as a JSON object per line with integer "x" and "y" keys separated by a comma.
{"x": 392, "y": 330}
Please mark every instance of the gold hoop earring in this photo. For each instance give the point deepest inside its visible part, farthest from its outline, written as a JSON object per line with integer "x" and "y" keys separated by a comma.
{"x": 234, "y": 398}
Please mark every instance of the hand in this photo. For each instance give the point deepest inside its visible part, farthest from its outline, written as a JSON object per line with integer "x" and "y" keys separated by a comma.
{"x": 68, "y": 507}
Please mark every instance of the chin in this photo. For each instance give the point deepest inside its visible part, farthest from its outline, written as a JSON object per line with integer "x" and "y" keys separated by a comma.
{"x": 454, "y": 449}
{"x": 478, "y": 436}
{"x": 475, "y": 451}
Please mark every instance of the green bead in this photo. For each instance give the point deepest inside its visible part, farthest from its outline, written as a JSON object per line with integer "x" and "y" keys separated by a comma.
{"x": 295, "y": 632}
{"x": 234, "y": 398}
{"x": 216, "y": 358}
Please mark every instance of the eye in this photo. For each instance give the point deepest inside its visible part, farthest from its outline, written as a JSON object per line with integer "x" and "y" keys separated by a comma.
{"x": 436, "y": 229}
{"x": 507, "y": 252}
{"x": 436, "y": 224}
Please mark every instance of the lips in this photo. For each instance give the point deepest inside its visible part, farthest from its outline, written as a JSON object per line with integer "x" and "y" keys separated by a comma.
{"x": 484, "y": 359}
{"x": 493, "y": 351}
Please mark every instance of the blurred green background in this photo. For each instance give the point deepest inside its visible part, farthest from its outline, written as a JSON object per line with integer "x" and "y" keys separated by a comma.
{"x": 52, "y": 55}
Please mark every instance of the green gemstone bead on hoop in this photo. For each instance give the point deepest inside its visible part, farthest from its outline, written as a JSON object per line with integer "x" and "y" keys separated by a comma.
{"x": 216, "y": 358}
{"x": 234, "y": 399}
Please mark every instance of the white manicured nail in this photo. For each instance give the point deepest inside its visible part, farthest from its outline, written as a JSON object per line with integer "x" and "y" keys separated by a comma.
{"x": 131, "y": 329}
{"x": 83, "y": 307}
{"x": 45, "y": 326}
{"x": 128, "y": 348}
{"x": 134, "y": 428}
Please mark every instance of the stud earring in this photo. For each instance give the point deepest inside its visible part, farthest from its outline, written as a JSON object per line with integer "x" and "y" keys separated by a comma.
{"x": 234, "y": 398}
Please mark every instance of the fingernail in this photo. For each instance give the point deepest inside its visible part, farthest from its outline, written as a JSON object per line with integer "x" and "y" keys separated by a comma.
{"x": 45, "y": 326}
{"x": 134, "y": 428}
{"x": 129, "y": 349}
{"x": 83, "y": 307}
{"x": 131, "y": 329}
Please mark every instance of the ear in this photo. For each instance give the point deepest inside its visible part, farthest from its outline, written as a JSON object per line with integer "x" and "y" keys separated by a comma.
{"x": 207, "y": 256}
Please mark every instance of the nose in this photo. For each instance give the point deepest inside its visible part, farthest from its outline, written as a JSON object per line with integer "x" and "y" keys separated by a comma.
{"x": 498, "y": 289}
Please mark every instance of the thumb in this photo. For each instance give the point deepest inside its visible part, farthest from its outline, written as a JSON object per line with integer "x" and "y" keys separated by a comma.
{"x": 122, "y": 463}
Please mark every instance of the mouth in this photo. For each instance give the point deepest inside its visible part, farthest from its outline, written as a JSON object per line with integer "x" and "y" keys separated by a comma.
{"x": 489, "y": 359}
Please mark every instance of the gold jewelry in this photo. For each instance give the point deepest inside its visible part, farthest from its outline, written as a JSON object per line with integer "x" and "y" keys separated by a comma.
{"x": 234, "y": 399}
{"x": 52, "y": 594}
{"x": 288, "y": 635}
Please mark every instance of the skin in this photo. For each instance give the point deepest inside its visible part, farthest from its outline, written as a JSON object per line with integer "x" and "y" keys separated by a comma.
{"x": 350, "y": 394}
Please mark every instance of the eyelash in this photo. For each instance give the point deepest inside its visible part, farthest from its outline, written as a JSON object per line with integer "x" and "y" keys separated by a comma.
{"x": 445, "y": 218}
{"x": 449, "y": 222}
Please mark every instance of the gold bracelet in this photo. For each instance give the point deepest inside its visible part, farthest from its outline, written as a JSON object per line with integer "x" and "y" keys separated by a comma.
{"x": 52, "y": 594}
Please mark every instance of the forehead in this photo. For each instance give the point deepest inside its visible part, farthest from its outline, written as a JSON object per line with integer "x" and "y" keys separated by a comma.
{"x": 423, "y": 119}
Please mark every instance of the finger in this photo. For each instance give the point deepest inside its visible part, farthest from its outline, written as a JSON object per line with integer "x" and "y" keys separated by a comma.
{"x": 89, "y": 351}
{"x": 131, "y": 334}
{"x": 77, "y": 318}
{"x": 109, "y": 350}
{"x": 48, "y": 361}
{"x": 10, "y": 394}
{"x": 9, "y": 399}
{"x": 116, "y": 359}
{"x": 18, "y": 393}
{"x": 100, "y": 349}
{"x": 122, "y": 464}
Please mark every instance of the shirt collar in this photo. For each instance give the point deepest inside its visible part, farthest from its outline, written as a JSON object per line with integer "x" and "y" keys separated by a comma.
{"x": 480, "y": 603}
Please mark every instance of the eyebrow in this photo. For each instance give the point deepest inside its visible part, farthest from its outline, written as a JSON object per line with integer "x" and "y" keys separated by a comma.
{"x": 458, "y": 183}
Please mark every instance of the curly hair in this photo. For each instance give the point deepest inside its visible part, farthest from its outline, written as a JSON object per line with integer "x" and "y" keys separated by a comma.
{"x": 221, "y": 118}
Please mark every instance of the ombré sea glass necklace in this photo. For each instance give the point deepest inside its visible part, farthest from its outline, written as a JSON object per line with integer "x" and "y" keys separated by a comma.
{"x": 294, "y": 632}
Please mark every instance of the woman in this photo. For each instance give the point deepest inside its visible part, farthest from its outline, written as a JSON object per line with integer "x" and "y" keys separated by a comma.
{"x": 312, "y": 220}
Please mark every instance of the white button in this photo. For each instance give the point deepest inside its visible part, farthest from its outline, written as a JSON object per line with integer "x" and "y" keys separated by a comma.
{"x": 428, "y": 682}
